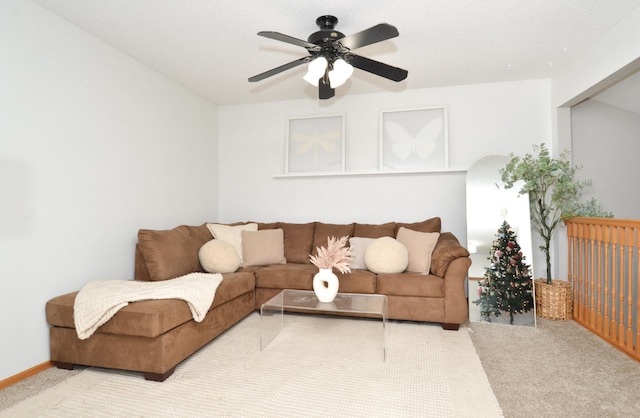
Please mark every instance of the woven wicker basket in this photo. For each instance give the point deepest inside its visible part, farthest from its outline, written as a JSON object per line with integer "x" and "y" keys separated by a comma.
{"x": 554, "y": 301}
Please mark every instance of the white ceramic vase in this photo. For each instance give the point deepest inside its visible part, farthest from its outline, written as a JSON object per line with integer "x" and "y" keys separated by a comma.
{"x": 325, "y": 285}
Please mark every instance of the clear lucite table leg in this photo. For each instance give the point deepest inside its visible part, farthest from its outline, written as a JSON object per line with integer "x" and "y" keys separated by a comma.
{"x": 385, "y": 327}
{"x": 271, "y": 320}
{"x": 272, "y": 311}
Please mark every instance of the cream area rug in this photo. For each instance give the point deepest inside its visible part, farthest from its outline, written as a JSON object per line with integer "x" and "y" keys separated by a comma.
{"x": 318, "y": 366}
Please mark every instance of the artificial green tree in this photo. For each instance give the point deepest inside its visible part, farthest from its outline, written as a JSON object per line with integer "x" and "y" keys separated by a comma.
{"x": 554, "y": 194}
{"x": 507, "y": 284}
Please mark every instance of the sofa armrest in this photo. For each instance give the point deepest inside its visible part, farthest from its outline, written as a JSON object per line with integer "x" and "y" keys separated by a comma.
{"x": 451, "y": 261}
{"x": 447, "y": 249}
{"x": 456, "y": 307}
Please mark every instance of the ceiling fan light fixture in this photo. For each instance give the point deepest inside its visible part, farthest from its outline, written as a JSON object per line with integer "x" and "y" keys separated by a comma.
{"x": 331, "y": 60}
{"x": 340, "y": 73}
{"x": 316, "y": 70}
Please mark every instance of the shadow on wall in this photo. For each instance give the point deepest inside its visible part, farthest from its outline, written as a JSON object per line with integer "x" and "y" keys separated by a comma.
{"x": 16, "y": 189}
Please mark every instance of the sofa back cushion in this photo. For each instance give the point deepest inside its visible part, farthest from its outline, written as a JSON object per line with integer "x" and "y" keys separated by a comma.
{"x": 374, "y": 230}
{"x": 324, "y": 231}
{"x": 268, "y": 225}
{"x": 430, "y": 225}
{"x": 172, "y": 253}
{"x": 298, "y": 241}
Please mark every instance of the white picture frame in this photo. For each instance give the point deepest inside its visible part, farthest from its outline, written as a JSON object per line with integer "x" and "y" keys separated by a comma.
{"x": 315, "y": 144}
{"x": 414, "y": 139}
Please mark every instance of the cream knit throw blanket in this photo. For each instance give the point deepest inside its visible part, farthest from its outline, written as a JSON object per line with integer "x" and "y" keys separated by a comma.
{"x": 99, "y": 300}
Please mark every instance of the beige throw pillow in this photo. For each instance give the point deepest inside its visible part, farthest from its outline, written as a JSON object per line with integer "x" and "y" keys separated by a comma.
{"x": 358, "y": 247}
{"x": 217, "y": 256}
{"x": 262, "y": 248}
{"x": 420, "y": 246}
{"x": 386, "y": 255}
{"x": 232, "y": 234}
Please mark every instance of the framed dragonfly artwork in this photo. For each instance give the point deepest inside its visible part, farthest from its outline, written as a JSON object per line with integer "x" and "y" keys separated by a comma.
{"x": 315, "y": 144}
{"x": 414, "y": 140}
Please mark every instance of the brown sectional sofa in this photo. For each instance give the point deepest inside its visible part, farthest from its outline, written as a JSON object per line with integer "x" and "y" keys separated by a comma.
{"x": 154, "y": 336}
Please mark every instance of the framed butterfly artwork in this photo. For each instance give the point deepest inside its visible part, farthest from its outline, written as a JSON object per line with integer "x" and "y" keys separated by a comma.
{"x": 315, "y": 144}
{"x": 414, "y": 140}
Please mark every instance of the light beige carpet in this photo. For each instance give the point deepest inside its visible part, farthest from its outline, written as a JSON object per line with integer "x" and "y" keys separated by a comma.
{"x": 557, "y": 370}
{"x": 316, "y": 367}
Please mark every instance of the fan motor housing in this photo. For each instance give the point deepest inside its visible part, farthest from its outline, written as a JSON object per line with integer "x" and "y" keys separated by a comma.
{"x": 326, "y": 34}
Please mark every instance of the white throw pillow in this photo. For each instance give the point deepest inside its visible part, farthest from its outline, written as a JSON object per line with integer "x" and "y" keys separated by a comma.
{"x": 420, "y": 246}
{"x": 232, "y": 234}
{"x": 217, "y": 256}
{"x": 358, "y": 247}
{"x": 386, "y": 255}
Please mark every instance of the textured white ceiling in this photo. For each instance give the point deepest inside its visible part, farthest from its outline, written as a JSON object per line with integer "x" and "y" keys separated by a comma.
{"x": 211, "y": 46}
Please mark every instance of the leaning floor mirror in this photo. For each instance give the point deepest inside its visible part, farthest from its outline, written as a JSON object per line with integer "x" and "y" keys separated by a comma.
{"x": 499, "y": 241}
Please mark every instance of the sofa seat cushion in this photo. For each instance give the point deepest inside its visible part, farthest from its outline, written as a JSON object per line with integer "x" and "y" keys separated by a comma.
{"x": 358, "y": 281}
{"x": 149, "y": 318}
{"x": 411, "y": 284}
{"x": 286, "y": 276}
{"x": 232, "y": 286}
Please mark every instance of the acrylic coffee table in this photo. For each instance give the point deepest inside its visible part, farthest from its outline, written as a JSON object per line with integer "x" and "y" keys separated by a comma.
{"x": 305, "y": 301}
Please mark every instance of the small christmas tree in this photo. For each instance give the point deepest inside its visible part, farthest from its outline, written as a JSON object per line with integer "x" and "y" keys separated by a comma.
{"x": 507, "y": 284}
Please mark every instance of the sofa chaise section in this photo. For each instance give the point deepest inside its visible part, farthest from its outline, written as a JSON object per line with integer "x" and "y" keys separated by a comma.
{"x": 151, "y": 336}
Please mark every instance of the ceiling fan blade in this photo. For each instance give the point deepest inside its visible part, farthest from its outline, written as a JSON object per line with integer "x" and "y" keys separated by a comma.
{"x": 288, "y": 39}
{"x": 279, "y": 69}
{"x": 377, "y": 33}
{"x": 325, "y": 91}
{"x": 378, "y": 68}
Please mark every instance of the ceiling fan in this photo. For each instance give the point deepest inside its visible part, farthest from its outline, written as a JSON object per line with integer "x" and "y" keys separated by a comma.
{"x": 330, "y": 58}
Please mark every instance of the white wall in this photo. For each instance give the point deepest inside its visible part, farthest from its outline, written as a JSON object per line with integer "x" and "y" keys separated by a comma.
{"x": 605, "y": 143}
{"x": 93, "y": 146}
{"x": 612, "y": 58}
{"x": 484, "y": 119}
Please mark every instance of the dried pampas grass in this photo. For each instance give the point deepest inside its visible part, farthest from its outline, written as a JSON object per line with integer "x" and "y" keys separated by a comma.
{"x": 336, "y": 254}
